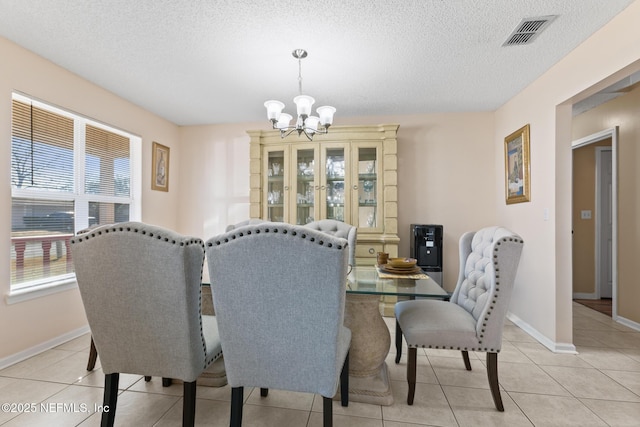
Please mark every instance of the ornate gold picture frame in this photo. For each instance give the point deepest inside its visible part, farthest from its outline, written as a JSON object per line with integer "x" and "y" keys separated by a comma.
{"x": 517, "y": 166}
{"x": 160, "y": 167}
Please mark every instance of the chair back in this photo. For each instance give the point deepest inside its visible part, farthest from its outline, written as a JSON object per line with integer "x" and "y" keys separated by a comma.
{"x": 279, "y": 296}
{"x": 339, "y": 229}
{"x": 488, "y": 263}
{"x": 140, "y": 285}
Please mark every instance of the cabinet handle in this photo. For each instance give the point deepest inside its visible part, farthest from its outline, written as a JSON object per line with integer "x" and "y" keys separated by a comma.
{"x": 355, "y": 187}
{"x": 286, "y": 187}
{"x": 372, "y": 251}
{"x": 317, "y": 187}
{"x": 322, "y": 188}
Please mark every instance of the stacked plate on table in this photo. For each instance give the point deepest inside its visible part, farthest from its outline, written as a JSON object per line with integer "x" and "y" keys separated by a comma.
{"x": 401, "y": 266}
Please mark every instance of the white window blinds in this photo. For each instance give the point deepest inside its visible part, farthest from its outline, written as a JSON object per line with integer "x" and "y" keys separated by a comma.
{"x": 67, "y": 173}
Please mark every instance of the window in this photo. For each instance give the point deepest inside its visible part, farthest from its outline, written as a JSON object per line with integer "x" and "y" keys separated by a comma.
{"x": 67, "y": 173}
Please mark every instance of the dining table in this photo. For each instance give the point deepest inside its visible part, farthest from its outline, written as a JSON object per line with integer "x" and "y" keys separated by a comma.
{"x": 370, "y": 338}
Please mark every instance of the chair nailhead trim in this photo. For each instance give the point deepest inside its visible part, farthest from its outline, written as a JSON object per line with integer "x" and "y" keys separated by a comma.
{"x": 115, "y": 229}
{"x": 276, "y": 230}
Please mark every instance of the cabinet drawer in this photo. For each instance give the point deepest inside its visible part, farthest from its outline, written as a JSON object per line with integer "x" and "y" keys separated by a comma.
{"x": 368, "y": 250}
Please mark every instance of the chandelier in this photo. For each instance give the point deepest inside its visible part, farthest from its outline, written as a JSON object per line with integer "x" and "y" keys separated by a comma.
{"x": 305, "y": 122}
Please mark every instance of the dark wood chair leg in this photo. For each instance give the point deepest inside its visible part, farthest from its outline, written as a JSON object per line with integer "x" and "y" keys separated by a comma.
{"x": 492, "y": 373}
{"x": 189, "y": 404}
{"x": 264, "y": 392}
{"x": 398, "y": 342}
{"x": 344, "y": 382}
{"x": 327, "y": 412}
{"x": 236, "y": 406}
{"x": 93, "y": 356}
{"x": 110, "y": 399}
{"x": 411, "y": 374}
{"x": 166, "y": 382}
{"x": 467, "y": 362}
{"x": 147, "y": 378}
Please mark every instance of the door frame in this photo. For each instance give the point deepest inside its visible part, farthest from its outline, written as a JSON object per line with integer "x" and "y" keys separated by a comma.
{"x": 590, "y": 139}
{"x": 599, "y": 252}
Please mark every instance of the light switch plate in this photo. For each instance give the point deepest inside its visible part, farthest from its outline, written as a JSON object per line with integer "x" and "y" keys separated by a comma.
{"x": 585, "y": 214}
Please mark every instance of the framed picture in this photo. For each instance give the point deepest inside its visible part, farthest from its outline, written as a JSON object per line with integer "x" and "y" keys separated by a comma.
{"x": 160, "y": 168}
{"x": 517, "y": 166}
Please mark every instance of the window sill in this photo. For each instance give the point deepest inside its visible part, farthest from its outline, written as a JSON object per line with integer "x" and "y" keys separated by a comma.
{"x": 32, "y": 292}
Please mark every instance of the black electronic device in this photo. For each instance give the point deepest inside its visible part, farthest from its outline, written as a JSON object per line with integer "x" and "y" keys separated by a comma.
{"x": 426, "y": 247}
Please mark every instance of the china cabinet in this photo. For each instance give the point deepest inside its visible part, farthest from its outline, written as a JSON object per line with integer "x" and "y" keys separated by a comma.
{"x": 349, "y": 174}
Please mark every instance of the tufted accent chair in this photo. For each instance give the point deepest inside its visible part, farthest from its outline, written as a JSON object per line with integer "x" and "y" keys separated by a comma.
{"x": 473, "y": 319}
{"x": 339, "y": 229}
{"x": 140, "y": 286}
{"x": 279, "y": 299}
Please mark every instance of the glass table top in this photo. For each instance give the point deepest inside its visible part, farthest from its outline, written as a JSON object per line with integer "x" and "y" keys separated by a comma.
{"x": 365, "y": 280}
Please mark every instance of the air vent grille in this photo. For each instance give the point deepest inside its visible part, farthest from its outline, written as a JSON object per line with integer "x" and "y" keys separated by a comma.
{"x": 528, "y": 29}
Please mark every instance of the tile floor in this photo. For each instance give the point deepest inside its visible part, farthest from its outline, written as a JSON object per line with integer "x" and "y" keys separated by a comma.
{"x": 598, "y": 387}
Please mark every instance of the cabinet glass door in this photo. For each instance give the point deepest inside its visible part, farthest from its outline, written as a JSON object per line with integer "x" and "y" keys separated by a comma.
{"x": 334, "y": 183}
{"x": 306, "y": 186}
{"x": 276, "y": 188}
{"x": 368, "y": 191}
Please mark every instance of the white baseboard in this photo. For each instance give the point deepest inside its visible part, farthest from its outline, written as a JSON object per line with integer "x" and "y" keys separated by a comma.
{"x": 37, "y": 349}
{"x": 555, "y": 347}
{"x": 628, "y": 323}
{"x": 580, "y": 295}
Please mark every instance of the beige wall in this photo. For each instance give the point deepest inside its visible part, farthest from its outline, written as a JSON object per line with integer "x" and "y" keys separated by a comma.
{"x": 444, "y": 176}
{"x": 584, "y": 230}
{"x": 28, "y": 324}
{"x": 542, "y": 297}
{"x": 451, "y": 172}
{"x": 625, "y": 113}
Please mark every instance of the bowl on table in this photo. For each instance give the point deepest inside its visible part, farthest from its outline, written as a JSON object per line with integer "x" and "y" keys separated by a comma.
{"x": 408, "y": 263}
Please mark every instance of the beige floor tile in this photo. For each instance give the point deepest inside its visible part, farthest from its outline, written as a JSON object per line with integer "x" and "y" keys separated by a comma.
{"x": 430, "y": 406}
{"x": 81, "y": 343}
{"x": 95, "y": 378}
{"x": 618, "y": 339}
{"x": 630, "y": 380}
{"x": 36, "y": 363}
{"x": 315, "y": 420}
{"x": 355, "y": 409}
{"x": 615, "y": 414}
{"x": 608, "y": 358}
{"x": 215, "y": 393}
{"x": 475, "y": 408}
{"x": 399, "y": 424}
{"x": 633, "y": 353}
{"x": 520, "y": 377}
{"x": 510, "y": 352}
{"x": 452, "y": 372}
{"x": 69, "y": 407}
{"x": 267, "y": 416}
{"x": 282, "y": 399}
{"x": 555, "y": 411}
{"x": 68, "y": 370}
{"x": 541, "y": 355}
{"x": 21, "y": 391}
{"x": 424, "y": 372}
{"x": 141, "y": 409}
{"x": 514, "y": 333}
{"x": 590, "y": 383}
{"x": 209, "y": 413}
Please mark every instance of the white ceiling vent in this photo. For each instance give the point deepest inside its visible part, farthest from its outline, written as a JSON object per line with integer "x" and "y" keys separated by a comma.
{"x": 528, "y": 29}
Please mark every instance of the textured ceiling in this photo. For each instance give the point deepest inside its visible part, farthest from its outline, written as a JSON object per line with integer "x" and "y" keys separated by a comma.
{"x": 204, "y": 62}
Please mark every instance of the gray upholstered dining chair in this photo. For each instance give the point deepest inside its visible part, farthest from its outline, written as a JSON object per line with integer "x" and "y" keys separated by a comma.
{"x": 339, "y": 229}
{"x": 140, "y": 286}
{"x": 473, "y": 319}
{"x": 279, "y": 297}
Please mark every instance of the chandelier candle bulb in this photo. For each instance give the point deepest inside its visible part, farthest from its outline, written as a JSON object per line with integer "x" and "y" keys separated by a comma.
{"x": 274, "y": 109}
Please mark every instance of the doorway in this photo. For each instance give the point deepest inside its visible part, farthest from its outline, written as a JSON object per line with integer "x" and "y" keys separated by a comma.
{"x": 594, "y": 200}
